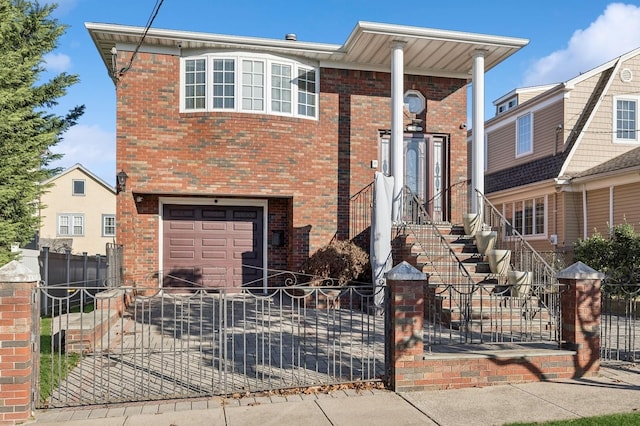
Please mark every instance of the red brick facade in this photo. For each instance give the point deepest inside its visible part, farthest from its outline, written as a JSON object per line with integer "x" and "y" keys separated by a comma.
{"x": 306, "y": 168}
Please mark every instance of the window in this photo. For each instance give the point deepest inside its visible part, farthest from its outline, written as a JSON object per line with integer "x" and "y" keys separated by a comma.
{"x": 281, "y": 88}
{"x": 108, "y": 225}
{"x": 77, "y": 187}
{"x": 626, "y": 120}
{"x": 253, "y": 85}
{"x": 249, "y": 83}
{"x": 223, "y": 83}
{"x": 527, "y": 216}
{"x": 195, "y": 84}
{"x": 70, "y": 224}
{"x": 307, "y": 93}
{"x": 524, "y": 134}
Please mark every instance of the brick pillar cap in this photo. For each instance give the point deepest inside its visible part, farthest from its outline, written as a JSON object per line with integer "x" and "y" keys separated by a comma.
{"x": 405, "y": 272}
{"x": 580, "y": 271}
{"x": 16, "y": 272}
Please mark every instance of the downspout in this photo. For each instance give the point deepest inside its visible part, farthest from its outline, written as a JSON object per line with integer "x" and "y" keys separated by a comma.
{"x": 584, "y": 212}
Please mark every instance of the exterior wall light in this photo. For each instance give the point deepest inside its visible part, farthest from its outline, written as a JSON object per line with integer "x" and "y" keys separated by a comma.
{"x": 121, "y": 179}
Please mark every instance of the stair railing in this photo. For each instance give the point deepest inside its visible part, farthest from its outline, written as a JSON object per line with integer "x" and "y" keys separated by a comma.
{"x": 360, "y": 205}
{"x": 524, "y": 258}
{"x": 432, "y": 243}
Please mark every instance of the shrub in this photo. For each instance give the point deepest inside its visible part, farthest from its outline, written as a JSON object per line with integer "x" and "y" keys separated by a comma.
{"x": 343, "y": 261}
{"x": 617, "y": 257}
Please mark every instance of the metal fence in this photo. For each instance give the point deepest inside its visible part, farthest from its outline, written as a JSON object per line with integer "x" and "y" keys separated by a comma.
{"x": 620, "y": 319}
{"x": 490, "y": 312}
{"x": 179, "y": 343}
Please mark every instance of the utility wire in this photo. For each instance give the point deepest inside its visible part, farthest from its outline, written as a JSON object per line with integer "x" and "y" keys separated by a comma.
{"x": 152, "y": 17}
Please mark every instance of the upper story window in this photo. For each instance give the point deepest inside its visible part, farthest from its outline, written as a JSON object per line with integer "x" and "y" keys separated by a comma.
{"x": 244, "y": 83}
{"x": 77, "y": 187}
{"x": 524, "y": 135}
{"x": 625, "y": 120}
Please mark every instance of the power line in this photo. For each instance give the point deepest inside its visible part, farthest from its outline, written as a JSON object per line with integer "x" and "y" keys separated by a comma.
{"x": 152, "y": 17}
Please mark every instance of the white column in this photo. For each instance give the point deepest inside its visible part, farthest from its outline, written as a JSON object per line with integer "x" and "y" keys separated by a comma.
{"x": 397, "y": 130}
{"x": 477, "y": 125}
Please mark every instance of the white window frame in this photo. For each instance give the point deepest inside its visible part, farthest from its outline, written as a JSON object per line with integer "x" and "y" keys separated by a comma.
{"x": 530, "y": 150}
{"x": 184, "y": 83}
{"x": 105, "y": 218}
{"x": 71, "y": 219}
{"x": 282, "y": 88}
{"x": 210, "y": 87}
{"x": 616, "y": 139}
{"x": 520, "y": 205}
{"x": 73, "y": 188}
{"x": 268, "y": 60}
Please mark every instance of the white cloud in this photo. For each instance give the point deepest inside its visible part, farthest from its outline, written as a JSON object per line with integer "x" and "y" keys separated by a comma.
{"x": 57, "y": 62}
{"x": 91, "y": 146}
{"x": 612, "y": 34}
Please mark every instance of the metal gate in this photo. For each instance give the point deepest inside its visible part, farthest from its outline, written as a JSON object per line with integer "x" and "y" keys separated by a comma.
{"x": 127, "y": 344}
{"x": 620, "y": 319}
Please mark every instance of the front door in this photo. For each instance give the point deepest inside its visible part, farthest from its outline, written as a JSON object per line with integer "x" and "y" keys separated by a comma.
{"x": 425, "y": 169}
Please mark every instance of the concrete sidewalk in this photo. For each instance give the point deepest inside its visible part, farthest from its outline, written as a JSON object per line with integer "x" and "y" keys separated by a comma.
{"x": 615, "y": 390}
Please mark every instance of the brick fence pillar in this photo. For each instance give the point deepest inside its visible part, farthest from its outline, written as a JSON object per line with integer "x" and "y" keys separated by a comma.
{"x": 406, "y": 314}
{"x": 581, "y": 309}
{"x": 17, "y": 360}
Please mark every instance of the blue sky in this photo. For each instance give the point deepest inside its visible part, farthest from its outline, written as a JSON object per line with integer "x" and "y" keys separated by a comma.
{"x": 567, "y": 37}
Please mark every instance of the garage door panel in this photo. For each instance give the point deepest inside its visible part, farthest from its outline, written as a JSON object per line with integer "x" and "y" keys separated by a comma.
{"x": 181, "y": 225}
{"x": 243, "y": 226}
{"x": 182, "y": 254}
{"x": 208, "y": 213}
{"x": 243, "y": 242}
{"x": 227, "y": 243}
{"x": 214, "y": 242}
{"x": 209, "y": 254}
{"x": 214, "y": 226}
{"x": 182, "y": 212}
{"x": 245, "y": 214}
{"x": 246, "y": 255}
{"x": 182, "y": 242}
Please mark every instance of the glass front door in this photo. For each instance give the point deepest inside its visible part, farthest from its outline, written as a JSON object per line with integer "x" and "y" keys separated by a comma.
{"x": 424, "y": 168}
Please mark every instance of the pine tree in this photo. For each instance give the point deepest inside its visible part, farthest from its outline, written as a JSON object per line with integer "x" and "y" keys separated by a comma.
{"x": 28, "y": 127}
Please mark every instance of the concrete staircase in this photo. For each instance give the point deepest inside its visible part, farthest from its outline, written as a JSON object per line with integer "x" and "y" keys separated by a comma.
{"x": 477, "y": 301}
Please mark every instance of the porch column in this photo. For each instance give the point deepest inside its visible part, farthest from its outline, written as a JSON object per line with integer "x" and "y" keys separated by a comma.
{"x": 477, "y": 124}
{"x": 397, "y": 131}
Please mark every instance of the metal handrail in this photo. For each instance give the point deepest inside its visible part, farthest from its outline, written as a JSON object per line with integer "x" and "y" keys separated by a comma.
{"x": 360, "y": 205}
{"x": 432, "y": 243}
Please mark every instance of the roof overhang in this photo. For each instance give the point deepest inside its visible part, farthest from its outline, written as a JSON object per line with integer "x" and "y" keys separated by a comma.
{"x": 427, "y": 51}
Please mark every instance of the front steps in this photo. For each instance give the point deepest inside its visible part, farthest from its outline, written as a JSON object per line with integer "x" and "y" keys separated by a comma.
{"x": 476, "y": 302}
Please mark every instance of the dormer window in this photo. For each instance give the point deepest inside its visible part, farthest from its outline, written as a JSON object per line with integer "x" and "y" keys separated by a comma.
{"x": 507, "y": 105}
{"x": 249, "y": 83}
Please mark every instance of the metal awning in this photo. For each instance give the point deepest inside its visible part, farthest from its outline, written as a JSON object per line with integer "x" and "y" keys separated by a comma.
{"x": 427, "y": 51}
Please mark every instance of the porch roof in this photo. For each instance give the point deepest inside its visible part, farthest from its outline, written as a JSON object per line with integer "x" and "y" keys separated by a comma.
{"x": 427, "y": 51}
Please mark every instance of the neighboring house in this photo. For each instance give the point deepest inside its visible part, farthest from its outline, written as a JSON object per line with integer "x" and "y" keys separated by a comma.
{"x": 79, "y": 212}
{"x": 563, "y": 159}
{"x": 242, "y": 153}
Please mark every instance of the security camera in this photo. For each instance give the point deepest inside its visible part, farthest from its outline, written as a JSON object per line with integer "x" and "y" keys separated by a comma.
{"x": 463, "y": 125}
{"x": 179, "y": 45}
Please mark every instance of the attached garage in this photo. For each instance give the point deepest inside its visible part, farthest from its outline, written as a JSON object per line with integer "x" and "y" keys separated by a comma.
{"x": 212, "y": 245}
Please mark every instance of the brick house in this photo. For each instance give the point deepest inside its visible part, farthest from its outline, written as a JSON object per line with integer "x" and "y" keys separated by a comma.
{"x": 563, "y": 159}
{"x": 242, "y": 153}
